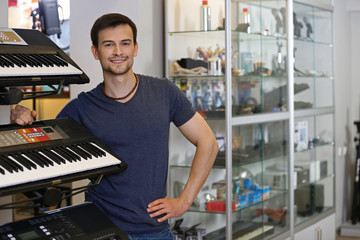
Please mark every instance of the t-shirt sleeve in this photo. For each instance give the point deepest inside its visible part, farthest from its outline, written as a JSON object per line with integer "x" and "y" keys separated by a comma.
{"x": 70, "y": 110}
{"x": 181, "y": 109}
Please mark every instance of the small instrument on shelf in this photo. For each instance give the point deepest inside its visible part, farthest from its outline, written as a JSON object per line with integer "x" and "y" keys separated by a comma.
{"x": 51, "y": 152}
{"x": 355, "y": 214}
{"x": 78, "y": 222}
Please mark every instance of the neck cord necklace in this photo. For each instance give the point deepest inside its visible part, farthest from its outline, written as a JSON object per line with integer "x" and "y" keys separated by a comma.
{"x": 127, "y": 95}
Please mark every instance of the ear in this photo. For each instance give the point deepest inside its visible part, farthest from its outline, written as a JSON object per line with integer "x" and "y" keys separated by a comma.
{"x": 136, "y": 49}
{"x": 94, "y": 52}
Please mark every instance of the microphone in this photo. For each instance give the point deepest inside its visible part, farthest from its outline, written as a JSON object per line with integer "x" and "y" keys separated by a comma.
{"x": 10, "y": 96}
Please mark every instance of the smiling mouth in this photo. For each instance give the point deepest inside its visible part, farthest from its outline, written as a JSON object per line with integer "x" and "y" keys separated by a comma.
{"x": 118, "y": 60}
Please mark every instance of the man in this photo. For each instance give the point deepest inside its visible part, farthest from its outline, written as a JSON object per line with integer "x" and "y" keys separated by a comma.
{"x": 131, "y": 114}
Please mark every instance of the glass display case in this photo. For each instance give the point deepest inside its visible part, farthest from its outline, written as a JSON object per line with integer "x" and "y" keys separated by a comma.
{"x": 314, "y": 111}
{"x": 276, "y": 142}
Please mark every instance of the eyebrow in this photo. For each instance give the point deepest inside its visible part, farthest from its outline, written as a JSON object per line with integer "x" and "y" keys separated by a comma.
{"x": 111, "y": 41}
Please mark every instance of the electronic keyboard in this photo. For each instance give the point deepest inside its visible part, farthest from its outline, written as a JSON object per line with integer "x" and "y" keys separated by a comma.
{"x": 51, "y": 152}
{"x": 29, "y": 57}
{"x": 78, "y": 222}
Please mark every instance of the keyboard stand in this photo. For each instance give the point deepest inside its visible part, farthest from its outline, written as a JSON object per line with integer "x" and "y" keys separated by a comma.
{"x": 14, "y": 95}
{"x": 50, "y": 196}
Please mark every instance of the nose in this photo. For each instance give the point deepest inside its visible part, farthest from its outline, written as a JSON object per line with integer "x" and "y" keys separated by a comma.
{"x": 117, "y": 50}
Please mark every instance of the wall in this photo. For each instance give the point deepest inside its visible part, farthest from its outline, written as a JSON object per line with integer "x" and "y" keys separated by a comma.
{"x": 347, "y": 101}
{"x": 4, "y": 110}
{"x": 147, "y": 15}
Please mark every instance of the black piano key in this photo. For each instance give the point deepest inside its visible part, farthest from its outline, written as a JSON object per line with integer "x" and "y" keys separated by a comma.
{"x": 72, "y": 153}
{"x": 47, "y": 60}
{"x": 5, "y": 165}
{"x": 2, "y": 171}
{"x": 48, "y": 157}
{"x": 6, "y": 62}
{"x": 60, "y": 158}
{"x": 64, "y": 63}
{"x": 3, "y": 62}
{"x": 45, "y": 158}
{"x": 78, "y": 151}
{"x": 32, "y": 164}
{"x": 36, "y": 159}
{"x": 93, "y": 145}
{"x": 21, "y": 160}
{"x": 32, "y": 159}
{"x": 87, "y": 154}
{"x": 68, "y": 157}
{"x": 35, "y": 60}
{"x": 12, "y": 164}
{"x": 90, "y": 150}
{"x": 53, "y": 156}
{"x": 21, "y": 61}
{"x": 27, "y": 60}
{"x": 13, "y": 60}
{"x": 24, "y": 62}
{"x": 57, "y": 60}
{"x": 43, "y": 60}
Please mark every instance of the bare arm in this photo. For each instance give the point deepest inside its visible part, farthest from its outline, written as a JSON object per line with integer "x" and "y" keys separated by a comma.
{"x": 22, "y": 115}
{"x": 197, "y": 131}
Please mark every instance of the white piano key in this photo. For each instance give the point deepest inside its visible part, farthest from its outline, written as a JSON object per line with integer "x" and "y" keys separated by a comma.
{"x": 38, "y": 71}
{"x": 16, "y": 178}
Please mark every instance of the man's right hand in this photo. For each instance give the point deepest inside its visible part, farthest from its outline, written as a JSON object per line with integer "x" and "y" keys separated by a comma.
{"x": 22, "y": 115}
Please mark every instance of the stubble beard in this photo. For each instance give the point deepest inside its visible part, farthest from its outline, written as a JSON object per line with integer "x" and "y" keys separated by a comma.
{"x": 118, "y": 72}
{"x": 115, "y": 71}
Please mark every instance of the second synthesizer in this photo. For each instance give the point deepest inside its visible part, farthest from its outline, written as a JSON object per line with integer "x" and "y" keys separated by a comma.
{"x": 51, "y": 152}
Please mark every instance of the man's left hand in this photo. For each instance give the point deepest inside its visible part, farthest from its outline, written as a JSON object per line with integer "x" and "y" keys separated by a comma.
{"x": 169, "y": 207}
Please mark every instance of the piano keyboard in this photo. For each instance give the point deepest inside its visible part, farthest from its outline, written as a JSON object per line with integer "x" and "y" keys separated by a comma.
{"x": 14, "y": 65}
{"x": 47, "y": 163}
{"x": 51, "y": 152}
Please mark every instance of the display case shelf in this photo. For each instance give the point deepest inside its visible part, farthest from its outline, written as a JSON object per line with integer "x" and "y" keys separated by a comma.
{"x": 255, "y": 102}
{"x": 272, "y": 195}
{"x": 236, "y": 34}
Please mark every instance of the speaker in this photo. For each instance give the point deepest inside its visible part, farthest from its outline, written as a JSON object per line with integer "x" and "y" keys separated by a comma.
{"x": 309, "y": 199}
{"x": 49, "y": 17}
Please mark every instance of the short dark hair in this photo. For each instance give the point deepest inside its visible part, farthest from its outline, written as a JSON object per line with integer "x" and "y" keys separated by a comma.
{"x": 110, "y": 20}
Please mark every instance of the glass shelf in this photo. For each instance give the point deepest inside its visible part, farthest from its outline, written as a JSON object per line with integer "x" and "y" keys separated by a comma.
{"x": 317, "y": 145}
{"x": 273, "y": 194}
{"x": 221, "y": 33}
{"x": 239, "y": 162}
{"x": 222, "y": 77}
{"x": 308, "y": 40}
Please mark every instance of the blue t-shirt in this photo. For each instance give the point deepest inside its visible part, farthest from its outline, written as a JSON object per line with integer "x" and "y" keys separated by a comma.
{"x": 138, "y": 132}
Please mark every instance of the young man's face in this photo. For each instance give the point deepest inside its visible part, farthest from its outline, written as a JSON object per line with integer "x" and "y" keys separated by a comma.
{"x": 116, "y": 49}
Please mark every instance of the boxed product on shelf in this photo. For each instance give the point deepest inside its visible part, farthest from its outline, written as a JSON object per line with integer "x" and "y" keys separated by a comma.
{"x": 219, "y": 206}
{"x": 301, "y": 140}
{"x": 309, "y": 199}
